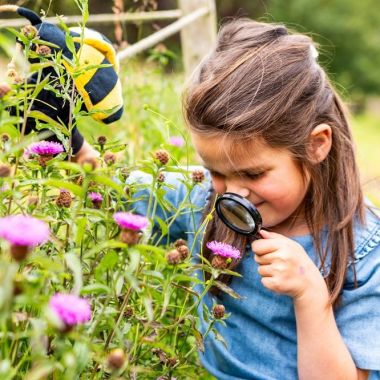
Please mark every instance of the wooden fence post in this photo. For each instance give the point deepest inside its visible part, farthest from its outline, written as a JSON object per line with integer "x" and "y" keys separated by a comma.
{"x": 198, "y": 37}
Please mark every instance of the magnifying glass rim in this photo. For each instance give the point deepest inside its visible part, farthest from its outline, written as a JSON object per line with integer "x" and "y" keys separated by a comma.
{"x": 247, "y": 205}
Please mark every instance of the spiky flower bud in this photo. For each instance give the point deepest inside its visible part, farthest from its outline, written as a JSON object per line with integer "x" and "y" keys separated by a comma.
{"x": 184, "y": 251}
{"x": 102, "y": 140}
{"x": 179, "y": 242}
{"x": 5, "y": 170}
{"x": 5, "y": 137}
{"x": 43, "y": 50}
{"x": 162, "y": 156}
{"x": 173, "y": 257}
{"x": 109, "y": 158}
{"x": 116, "y": 358}
{"x": 64, "y": 199}
{"x": 218, "y": 311}
{"x": 198, "y": 176}
{"x": 161, "y": 177}
{"x": 29, "y": 31}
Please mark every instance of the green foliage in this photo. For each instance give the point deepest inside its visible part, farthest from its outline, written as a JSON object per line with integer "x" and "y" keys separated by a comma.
{"x": 347, "y": 31}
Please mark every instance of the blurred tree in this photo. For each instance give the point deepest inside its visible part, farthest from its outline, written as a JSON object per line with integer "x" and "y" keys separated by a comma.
{"x": 348, "y": 33}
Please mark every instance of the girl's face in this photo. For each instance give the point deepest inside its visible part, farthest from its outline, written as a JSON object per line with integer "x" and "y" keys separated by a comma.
{"x": 268, "y": 177}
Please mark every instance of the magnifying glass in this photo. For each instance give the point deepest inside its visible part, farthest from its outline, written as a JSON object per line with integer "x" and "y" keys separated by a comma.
{"x": 238, "y": 214}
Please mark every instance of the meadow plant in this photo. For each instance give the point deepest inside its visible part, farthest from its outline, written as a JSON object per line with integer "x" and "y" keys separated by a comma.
{"x": 87, "y": 290}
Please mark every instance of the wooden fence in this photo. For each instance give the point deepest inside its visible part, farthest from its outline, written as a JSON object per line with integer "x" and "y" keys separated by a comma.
{"x": 195, "y": 20}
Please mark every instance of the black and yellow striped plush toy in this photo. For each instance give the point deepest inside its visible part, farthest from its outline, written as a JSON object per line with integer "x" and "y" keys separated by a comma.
{"x": 99, "y": 87}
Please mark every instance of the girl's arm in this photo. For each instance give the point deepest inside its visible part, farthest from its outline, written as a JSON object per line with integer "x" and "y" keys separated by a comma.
{"x": 286, "y": 268}
{"x": 322, "y": 353}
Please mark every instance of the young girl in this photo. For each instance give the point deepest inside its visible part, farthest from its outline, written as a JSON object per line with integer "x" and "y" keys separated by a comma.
{"x": 268, "y": 126}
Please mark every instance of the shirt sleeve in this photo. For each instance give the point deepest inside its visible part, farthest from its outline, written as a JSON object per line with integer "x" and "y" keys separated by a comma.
{"x": 358, "y": 316}
{"x": 178, "y": 213}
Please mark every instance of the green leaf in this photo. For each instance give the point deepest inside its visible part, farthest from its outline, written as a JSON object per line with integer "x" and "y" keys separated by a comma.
{"x": 60, "y": 184}
{"x": 75, "y": 266}
{"x": 80, "y": 227}
{"x": 108, "y": 182}
{"x": 95, "y": 288}
{"x": 109, "y": 244}
{"x": 147, "y": 301}
{"x": 41, "y": 371}
{"x": 108, "y": 261}
{"x": 48, "y": 120}
{"x": 163, "y": 225}
{"x": 226, "y": 289}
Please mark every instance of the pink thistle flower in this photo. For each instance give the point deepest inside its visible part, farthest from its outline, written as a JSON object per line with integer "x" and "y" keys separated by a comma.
{"x": 130, "y": 221}
{"x": 44, "y": 148}
{"x": 223, "y": 249}
{"x": 24, "y": 230}
{"x": 71, "y": 309}
{"x": 177, "y": 141}
{"x": 95, "y": 197}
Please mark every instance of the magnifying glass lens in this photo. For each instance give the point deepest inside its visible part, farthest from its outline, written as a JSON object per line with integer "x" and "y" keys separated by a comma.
{"x": 237, "y": 215}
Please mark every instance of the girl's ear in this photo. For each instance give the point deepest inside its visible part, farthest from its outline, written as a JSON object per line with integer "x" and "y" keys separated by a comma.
{"x": 320, "y": 142}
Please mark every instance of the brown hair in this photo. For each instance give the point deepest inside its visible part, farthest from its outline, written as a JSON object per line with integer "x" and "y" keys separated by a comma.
{"x": 263, "y": 81}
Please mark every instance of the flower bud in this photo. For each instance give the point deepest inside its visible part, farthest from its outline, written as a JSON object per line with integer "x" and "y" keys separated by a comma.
{"x": 179, "y": 242}
{"x": 184, "y": 251}
{"x": 162, "y": 156}
{"x": 109, "y": 158}
{"x": 43, "y": 50}
{"x": 64, "y": 199}
{"x": 5, "y": 170}
{"x": 102, "y": 140}
{"x": 161, "y": 177}
{"x": 198, "y": 176}
{"x": 29, "y": 31}
{"x": 218, "y": 311}
{"x": 130, "y": 237}
{"x": 220, "y": 262}
{"x": 173, "y": 257}
{"x": 116, "y": 358}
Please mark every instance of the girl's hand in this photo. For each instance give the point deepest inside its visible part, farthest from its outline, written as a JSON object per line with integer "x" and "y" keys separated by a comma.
{"x": 87, "y": 154}
{"x": 285, "y": 267}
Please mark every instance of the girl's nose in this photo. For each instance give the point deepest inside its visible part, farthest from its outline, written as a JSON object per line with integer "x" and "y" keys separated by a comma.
{"x": 233, "y": 187}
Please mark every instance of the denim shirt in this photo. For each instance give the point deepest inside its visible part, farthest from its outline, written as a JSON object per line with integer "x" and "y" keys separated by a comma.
{"x": 261, "y": 331}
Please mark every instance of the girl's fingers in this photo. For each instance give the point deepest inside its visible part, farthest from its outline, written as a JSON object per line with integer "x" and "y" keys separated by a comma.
{"x": 265, "y": 270}
{"x": 270, "y": 235}
{"x": 264, "y": 259}
{"x": 264, "y": 246}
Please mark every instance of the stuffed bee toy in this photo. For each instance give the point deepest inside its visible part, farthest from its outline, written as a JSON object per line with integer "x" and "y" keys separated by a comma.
{"x": 94, "y": 74}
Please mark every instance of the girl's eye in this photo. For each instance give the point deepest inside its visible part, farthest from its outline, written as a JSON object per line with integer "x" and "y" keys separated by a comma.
{"x": 253, "y": 175}
{"x": 216, "y": 174}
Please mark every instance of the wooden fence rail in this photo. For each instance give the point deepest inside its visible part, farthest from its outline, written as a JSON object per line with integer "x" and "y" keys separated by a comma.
{"x": 196, "y": 22}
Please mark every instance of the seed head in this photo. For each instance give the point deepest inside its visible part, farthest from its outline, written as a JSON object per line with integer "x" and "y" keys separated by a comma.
{"x": 162, "y": 156}
{"x": 218, "y": 311}
{"x": 179, "y": 242}
{"x": 64, "y": 199}
{"x": 102, "y": 140}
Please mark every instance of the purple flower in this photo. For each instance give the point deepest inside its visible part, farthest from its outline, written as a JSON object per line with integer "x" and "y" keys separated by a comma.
{"x": 44, "y": 148}
{"x": 177, "y": 141}
{"x": 95, "y": 197}
{"x": 223, "y": 249}
{"x": 130, "y": 221}
{"x": 24, "y": 230}
{"x": 71, "y": 309}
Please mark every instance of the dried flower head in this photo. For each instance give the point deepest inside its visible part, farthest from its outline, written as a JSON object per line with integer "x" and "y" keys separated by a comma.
{"x": 179, "y": 242}
{"x": 24, "y": 230}
{"x": 130, "y": 221}
{"x": 64, "y": 199}
{"x": 162, "y": 156}
{"x": 44, "y": 148}
{"x": 161, "y": 177}
{"x": 218, "y": 311}
{"x": 223, "y": 249}
{"x": 198, "y": 176}
{"x": 4, "y": 89}
{"x": 5, "y": 137}
{"x": 177, "y": 141}
{"x": 70, "y": 309}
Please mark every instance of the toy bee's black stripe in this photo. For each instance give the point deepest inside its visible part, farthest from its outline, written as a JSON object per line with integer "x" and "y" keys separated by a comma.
{"x": 101, "y": 83}
{"x": 116, "y": 116}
